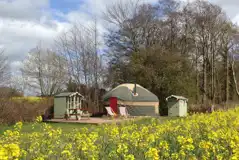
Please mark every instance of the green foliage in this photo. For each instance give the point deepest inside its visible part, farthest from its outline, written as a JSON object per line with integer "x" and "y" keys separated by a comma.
{"x": 163, "y": 74}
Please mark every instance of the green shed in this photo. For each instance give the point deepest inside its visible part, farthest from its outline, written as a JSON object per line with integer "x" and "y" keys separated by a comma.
{"x": 138, "y": 100}
{"x": 65, "y": 103}
{"x": 177, "y": 106}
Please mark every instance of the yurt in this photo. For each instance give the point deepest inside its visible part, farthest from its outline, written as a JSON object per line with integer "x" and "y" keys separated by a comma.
{"x": 138, "y": 100}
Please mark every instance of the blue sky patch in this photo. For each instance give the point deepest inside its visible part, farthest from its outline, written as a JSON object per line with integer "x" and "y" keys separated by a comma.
{"x": 65, "y": 6}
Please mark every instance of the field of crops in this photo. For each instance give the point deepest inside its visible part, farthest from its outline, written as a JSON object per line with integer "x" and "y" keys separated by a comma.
{"x": 201, "y": 136}
{"x": 29, "y": 99}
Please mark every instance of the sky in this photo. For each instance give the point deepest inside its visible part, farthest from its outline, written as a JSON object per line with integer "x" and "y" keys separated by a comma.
{"x": 26, "y": 23}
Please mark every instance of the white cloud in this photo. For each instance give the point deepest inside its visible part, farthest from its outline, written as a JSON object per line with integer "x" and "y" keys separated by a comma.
{"x": 25, "y": 23}
{"x": 236, "y": 19}
{"x": 18, "y": 37}
{"x": 16, "y": 65}
{"x": 23, "y": 9}
{"x": 229, "y": 6}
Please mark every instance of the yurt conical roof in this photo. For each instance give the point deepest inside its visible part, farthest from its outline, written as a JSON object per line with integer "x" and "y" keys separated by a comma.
{"x": 125, "y": 92}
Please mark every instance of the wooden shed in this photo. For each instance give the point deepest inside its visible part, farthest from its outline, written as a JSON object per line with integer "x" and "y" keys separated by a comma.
{"x": 66, "y": 103}
{"x": 177, "y": 106}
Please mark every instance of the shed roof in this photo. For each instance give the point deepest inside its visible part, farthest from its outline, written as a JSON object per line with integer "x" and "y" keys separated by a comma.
{"x": 125, "y": 92}
{"x": 67, "y": 94}
{"x": 176, "y": 97}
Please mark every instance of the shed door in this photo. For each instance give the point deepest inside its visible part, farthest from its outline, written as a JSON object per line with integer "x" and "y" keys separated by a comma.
{"x": 113, "y": 104}
{"x": 182, "y": 108}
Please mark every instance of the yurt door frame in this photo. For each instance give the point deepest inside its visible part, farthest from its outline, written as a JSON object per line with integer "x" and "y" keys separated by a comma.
{"x": 113, "y": 104}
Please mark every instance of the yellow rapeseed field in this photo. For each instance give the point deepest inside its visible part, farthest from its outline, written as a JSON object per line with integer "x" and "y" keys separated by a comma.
{"x": 29, "y": 99}
{"x": 201, "y": 136}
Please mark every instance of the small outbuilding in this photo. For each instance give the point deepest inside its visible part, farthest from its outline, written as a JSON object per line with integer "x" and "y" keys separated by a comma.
{"x": 66, "y": 103}
{"x": 138, "y": 100}
{"x": 177, "y": 106}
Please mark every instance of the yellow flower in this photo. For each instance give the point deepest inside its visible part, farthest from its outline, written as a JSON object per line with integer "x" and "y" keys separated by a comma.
{"x": 219, "y": 157}
{"x": 234, "y": 158}
{"x": 172, "y": 139}
{"x": 18, "y": 125}
{"x": 50, "y": 152}
{"x": 205, "y": 145}
{"x": 66, "y": 153}
{"x": 188, "y": 147}
{"x": 180, "y": 139}
{"x": 145, "y": 130}
{"x": 39, "y": 158}
{"x": 164, "y": 145}
{"x": 112, "y": 154}
{"x": 174, "y": 156}
{"x": 122, "y": 148}
{"x": 192, "y": 157}
{"x": 3, "y": 153}
{"x": 39, "y": 119}
{"x": 23, "y": 153}
{"x": 68, "y": 146}
{"x": 232, "y": 144}
{"x": 152, "y": 153}
{"x": 13, "y": 150}
{"x": 129, "y": 157}
{"x": 150, "y": 138}
{"x": 190, "y": 140}
{"x": 50, "y": 134}
{"x": 182, "y": 153}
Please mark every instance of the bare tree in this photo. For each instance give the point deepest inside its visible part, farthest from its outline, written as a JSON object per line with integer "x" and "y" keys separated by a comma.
{"x": 234, "y": 75}
{"x": 80, "y": 47}
{"x": 77, "y": 46}
{"x": 18, "y": 82}
{"x": 117, "y": 13}
{"x": 234, "y": 57}
{"x": 4, "y": 69}
{"x": 45, "y": 71}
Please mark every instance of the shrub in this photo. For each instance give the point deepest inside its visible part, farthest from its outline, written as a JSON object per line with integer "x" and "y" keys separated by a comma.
{"x": 12, "y": 110}
{"x": 199, "y": 108}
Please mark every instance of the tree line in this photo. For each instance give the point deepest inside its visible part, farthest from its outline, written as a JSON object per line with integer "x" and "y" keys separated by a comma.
{"x": 188, "y": 49}
{"x": 171, "y": 47}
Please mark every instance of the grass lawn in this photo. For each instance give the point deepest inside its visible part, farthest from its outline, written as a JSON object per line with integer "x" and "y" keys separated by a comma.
{"x": 68, "y": 127}
{"x": 27, "y": 127}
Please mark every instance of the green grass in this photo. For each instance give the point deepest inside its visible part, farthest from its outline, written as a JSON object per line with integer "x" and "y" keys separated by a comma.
{"x": 27, "y": 127}
{"x": 160, "y": 118}
{"x": 68, "y": 127}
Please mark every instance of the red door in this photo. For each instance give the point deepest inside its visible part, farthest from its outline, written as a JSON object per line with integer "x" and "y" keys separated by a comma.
{"x": 113, "y": 104}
